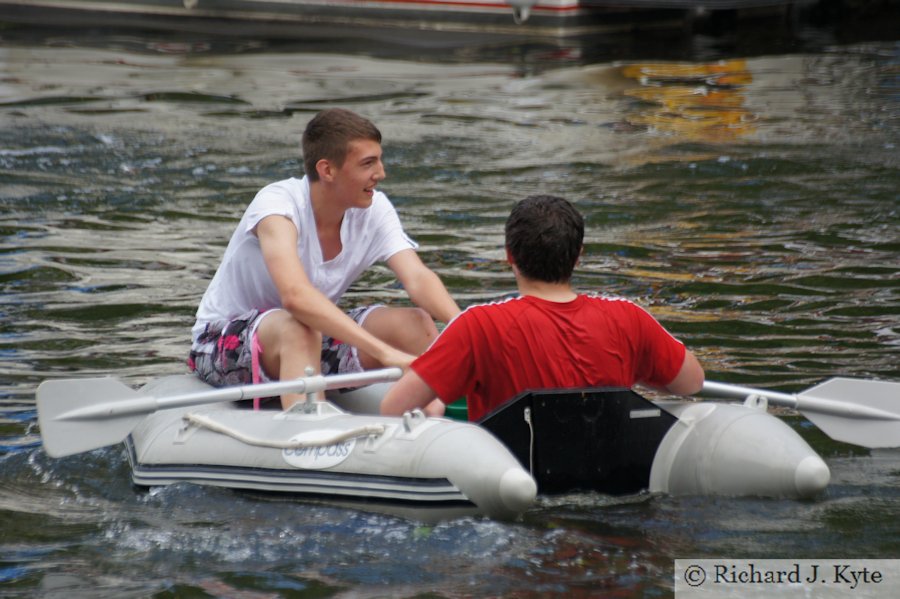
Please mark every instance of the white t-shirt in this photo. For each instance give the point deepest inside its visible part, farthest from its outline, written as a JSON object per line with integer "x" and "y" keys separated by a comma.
{"x": 242, "y": 282}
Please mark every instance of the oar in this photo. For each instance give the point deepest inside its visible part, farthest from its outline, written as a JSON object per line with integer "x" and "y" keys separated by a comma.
{"x": 858, "y": 411}
{"x": 77, "y": 415}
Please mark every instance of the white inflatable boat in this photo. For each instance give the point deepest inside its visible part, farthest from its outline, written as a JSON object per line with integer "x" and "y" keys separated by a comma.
{"x": 340, "y": 451}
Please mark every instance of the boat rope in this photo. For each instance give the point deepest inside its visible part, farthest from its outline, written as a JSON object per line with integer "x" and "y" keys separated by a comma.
{"x": 217, "y": 427}
{"x": 527, "y": 416}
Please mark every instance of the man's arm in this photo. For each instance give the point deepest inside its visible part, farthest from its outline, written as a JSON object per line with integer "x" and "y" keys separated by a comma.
{"x": 689, "y": 379}
{"x": 278, "y": 242}
{"x": 423, "y": 286}
{"x": 409, "y": 393}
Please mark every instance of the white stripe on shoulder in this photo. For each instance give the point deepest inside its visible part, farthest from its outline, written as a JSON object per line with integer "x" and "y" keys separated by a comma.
{"x": 615, "y": 298}
{"x": 502, "y": 300}
{"x": 611, "y": 298}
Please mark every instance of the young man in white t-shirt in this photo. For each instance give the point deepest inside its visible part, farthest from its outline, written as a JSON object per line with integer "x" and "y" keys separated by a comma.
{"x": 270, "y": 311}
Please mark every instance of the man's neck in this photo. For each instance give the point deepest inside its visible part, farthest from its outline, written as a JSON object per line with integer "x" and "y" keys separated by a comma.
{"x": 328, "y": 213}
{"x": 551, "y": 292}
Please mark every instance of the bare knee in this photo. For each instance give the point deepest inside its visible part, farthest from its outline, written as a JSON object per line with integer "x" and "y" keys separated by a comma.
{"x": 408, "y": 329}
{"x": 288, "y": 346}
{"x": 414, "y": 331}
{"x": 423, "y": 323}
{"x": 295, "y": 335}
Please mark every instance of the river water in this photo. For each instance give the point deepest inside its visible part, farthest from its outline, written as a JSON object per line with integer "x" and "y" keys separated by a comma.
{"x": 747, "y": 196}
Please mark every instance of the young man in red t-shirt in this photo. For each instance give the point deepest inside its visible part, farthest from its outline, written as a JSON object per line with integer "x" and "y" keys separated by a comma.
{"x": 549, "y": 337}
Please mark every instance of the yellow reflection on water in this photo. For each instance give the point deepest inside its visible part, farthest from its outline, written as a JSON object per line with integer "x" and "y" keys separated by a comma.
{"x": 699, "y": 102}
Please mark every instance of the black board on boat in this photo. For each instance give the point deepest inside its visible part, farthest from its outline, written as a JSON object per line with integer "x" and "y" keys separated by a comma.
{"x": 590, "y": 439}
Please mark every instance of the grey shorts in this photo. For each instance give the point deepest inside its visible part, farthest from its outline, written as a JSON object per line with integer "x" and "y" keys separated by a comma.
{"x": 229, "y": 355}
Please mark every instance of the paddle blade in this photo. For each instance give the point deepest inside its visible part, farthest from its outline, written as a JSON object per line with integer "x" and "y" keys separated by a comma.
{"x": 874, "y": 432}
{"x": 64, "y": 435}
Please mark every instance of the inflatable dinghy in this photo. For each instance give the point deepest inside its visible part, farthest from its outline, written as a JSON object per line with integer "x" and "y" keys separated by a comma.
{"x": 341, "y": 451}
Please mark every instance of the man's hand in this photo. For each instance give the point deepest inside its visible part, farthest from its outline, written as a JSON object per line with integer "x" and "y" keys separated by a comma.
{"x": 395, "y": 357}
{"x": 409, "y": 393}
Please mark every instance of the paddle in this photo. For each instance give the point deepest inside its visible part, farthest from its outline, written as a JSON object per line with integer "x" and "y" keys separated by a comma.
{"x": 77, "y": 415}
{"x": 857, "y": 411}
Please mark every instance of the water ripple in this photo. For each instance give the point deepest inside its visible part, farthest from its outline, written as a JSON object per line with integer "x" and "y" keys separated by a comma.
{"x": 748, "y": 203}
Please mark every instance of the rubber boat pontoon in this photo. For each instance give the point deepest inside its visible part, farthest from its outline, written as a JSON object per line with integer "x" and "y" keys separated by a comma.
{"x": 421, "y": 468}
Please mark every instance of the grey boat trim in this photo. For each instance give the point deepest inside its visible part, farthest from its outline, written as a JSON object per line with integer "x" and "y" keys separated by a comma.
{"x": 421, "y": 492}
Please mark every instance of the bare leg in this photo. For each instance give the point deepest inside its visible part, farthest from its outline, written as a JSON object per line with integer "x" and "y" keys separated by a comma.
{"x": 289, "y": 347}
{"x": 408, "y": 329}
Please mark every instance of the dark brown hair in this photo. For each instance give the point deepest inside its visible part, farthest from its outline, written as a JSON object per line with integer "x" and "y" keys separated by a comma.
{"x": 328, "y": 136}
{"x": 544, "y": 236}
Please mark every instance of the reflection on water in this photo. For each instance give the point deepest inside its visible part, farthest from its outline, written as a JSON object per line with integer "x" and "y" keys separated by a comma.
{"x": 749, "y": 202}
{"x": 696, "y": 102}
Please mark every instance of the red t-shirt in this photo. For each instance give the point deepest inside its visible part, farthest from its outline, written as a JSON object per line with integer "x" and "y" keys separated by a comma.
{"x": 492, "y": 352}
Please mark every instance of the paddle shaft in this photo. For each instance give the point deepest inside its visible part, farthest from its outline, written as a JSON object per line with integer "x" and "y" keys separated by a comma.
{"x": 801, "y": 402}
{"x": 737, "y": 391}
{"x": 149, "y": 403}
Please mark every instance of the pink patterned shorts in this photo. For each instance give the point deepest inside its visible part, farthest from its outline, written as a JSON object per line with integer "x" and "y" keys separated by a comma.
{"x": 225, "y": 355}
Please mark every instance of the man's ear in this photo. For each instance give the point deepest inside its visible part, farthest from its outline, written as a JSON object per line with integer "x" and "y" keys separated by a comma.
{"x": 325, "y": 169}
{"x": 512, "y": 262}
